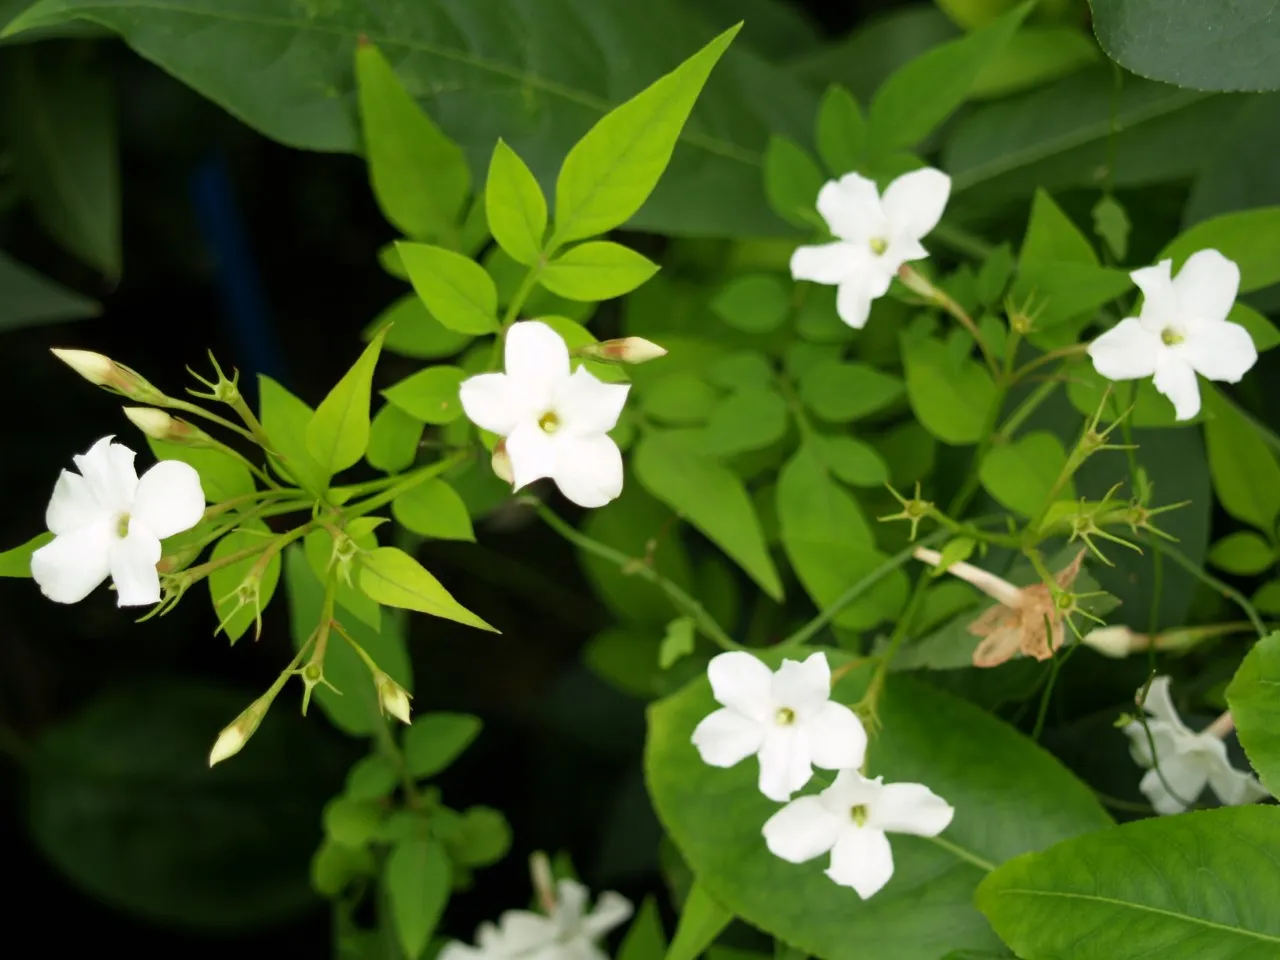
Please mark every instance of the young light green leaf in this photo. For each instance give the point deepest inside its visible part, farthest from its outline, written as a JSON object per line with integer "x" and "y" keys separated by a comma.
{"x": 1245, "y": 473}
{"x": 395, "y": 579}
{"x": 430, "y": 395}
{"x": 701, "y": 921}
{"x": 1243, "y": 553}
{"x": 600, "y": 270}
{"x": 338, "y": 433}
{"x": 433, "y": 509}
{"x": 842, "y": 132}
{"x": 17, "y": 561}
{"x": 418, "y": 880}
{"x": 792, "y": 180}
{"x": 712, "y": 498}
{"x": 285, "y": 418}
{"x": 757, "y": 303}
{"x": 237, "y": 617}
{"x": 611, "y": 171}
{"x": 411, "y": 331}
{"x": 645, "y": 939}
{"x": 1251, "y": 238}
{"x": 457, "y": 291}
{"x": 852, "y": 461}
{"x": 514, "y": 205}
{"x": 393, "y": 439}
{"x": 435, "y": 740}
{"x": 1020, "y": 474}
{"x": 843, "y": 392}
{"x": 677, "y": 642}
{"x": 419, "y": 176}
{"x": 1254, "y": 699}
{"x": 1124, "y": 891}
{"x": 222, "y": 476}
{"x": 750, "y": 419}
{"x": 1034, "y": 56}
{"x": 952, "y": 400}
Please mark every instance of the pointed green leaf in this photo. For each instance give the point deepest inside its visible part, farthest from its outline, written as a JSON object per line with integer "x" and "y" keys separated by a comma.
{"x": 285, "y": 418}
{"x": 393, "y": 439}
{"x": 338, "y": 433}
{"x": 435, "y": 740}
{"x": 1251, "y": 238}
{"x": 17, "y": 562}
{"x": 750, "y": 419}
{"x": 1246, "y": 476}
{"x": 1052, "y": 237}
{"x": 792, "y": 180}
{"x": 395, "y": 579}
{"x": 952, "y": 400}
{"x": 1254, "y": 698}
{"x": 611, "y": 171}
{"x": 600, "y": 270}
{"x": 1020, "y": 474}
{"x": 514, "y": 205}
{"x": 430, "y": 395}
{"x": 1243, "y": 553}
{"x": 420, "y": 177}
{"x": 411, "y": 330}
{"x": 455, "y": 289}
{"x": 842, "y": 132}
{"x": 433, "y": 509}
{"x": 701, "y": 921}
{"x": 418, "y": 879}
{"x": 645, "y": 939}
{"x": 27, "y": 297}
{"x": 842, "y": 392}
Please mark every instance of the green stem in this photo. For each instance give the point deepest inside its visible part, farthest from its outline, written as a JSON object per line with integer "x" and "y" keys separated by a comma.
{"x": 1209, "y": 580}
{"x": 1063, "y": 353}
{"x": 405, "y": 483}
{"x": 1027, "y": 407}
{"x": 186, "y": 407}
{"x": 963, "y": 854}
{"x": 634, "y": 565}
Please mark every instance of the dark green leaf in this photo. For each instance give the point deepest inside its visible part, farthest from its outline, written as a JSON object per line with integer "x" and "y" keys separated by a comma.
{"x": 953, "y": 400}
{"x": 842, "y": 132}
{"x": 701, "y": 921}
{"x": 1243, "y": 553}
{"x": 1250, "y": 238}
{"x": 27, "y": 298}
{"x": 757, "y": 303}
{"x": 435, "y": 740}
{"x": 792, "y": 180}
{"x": 853, "y": 461}
{"x": 645, "y": 939}
{"x": 842, "y": 392}
{"x": 750, "y": 419}
{"x": 412, "y": 331}
{"x": 1020, "y": 474}
{"x": 1245, "y": 473}
{"x": 1254, "y": 698}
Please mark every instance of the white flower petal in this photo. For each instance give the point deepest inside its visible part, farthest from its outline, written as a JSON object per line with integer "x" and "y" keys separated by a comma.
{"x": 491, "y": 402}
{"x": 72, "y": 505}
{"x": 536, "y": 360}
{"x": 1220, "y": 351}
{"x": 588, "y": 470}
{"x": 862, "y": 859}
{"x": 108, "y": 467}
{"x": 456, "y": 950}
{"x": 1205, "y": 288}
{"x": 1232, "y": 786}
{"x": 1165, "y": 738}
{"x": 522, "y": 930}
{"x": 612, "y": 910}
{"x": 853, "y": 302}
{"x": 802, "y": 830}
{"x": 849, "y": 789}
{"x": 901, "y": 250}
{"x": 72, "y": 565}
{"x": 133, "y": 568}
{"x": 784, "y": 762}
{"x": 1159, "y": 303}
{"x": 803, "y": 685}
{"x": 1186, "y": 776}
{"x": 726, "y": 737}
{"x": 1127, "y": 351}
{"x": 741, "y": 682}
{"x": 1176, "y": 379}
{"x": 571, "y": 903}
{"x": 914, "y": 202}
{"x": 586, "y": 405}
{"x": 826, "y": 263}
{"x": 169, "y": 499}
{"x": 531, "y": 453}
{"x": 911, "y": 808}
{"x": 837, "y": 739}
{"x": 851, "y": 208}
{"x": 1159, "y": 703}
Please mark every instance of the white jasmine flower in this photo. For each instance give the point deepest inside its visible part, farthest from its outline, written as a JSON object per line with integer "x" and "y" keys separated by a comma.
{"x": 1187, "y": 761}
{"x": 555, "y": 424}
{"x": 1182, "y": 330}
{"x": 875, "y": 235}
{"x": 851, "y": 819}
{"x": 107, "y": 522}
{"x": 786, "y": 718}
{"x": 569, "y": 933}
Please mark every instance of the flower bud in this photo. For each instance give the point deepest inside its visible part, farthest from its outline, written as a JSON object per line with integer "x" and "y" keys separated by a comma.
{"x": 501, "y": 462}
{"x": 393, "y": 698}
{"x": 232, "y": 740}
{"x": 1117, "y": 642}
{"x": 105, "y": 372}
{"x": 626, "y": 350}
{"x": 161, "y": 426}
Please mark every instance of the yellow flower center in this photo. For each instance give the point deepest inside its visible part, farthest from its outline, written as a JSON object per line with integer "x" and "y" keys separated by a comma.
{"x": 1171, "y": 337}
{"x": 785, "y": 716}
{"x": 122, "y": 526}
{"x": 549, "y": 422}
{"x": 879, "y": 245}
{"x": 859, "y": 814}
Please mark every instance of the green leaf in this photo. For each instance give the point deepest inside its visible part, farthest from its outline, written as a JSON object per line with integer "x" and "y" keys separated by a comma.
{"x": 596, "y": 271}
{"x": 1254, "y": 699}
{"x": 842, "y": 392}
{"x": 420, "y": 177}
{"x": 418, "y": 879}
{"x": 952, "y": 400}
{"x": 1243, "y": 553}
{"x": 679, "y": 398}
{"x": 645, "y": 939}
{"x": 1021, "y": 474}
{"x": 1064, "y": 291}
{"x": 751, "y": 419}
{"x": 964, "y": 754}
{"x": 611, "y": 171}
{"x": 224, "y": 581}
{"x": 711, "y": 498}
{"x": 285, "y": 418}
{"x": 394, "y": 579}
{"x": 338, "y": 433}
{"x": 993, "y": 275}
{"x": 514, "y": 206}
{"x": 677, "y": 643}
{"x": 482, "y": 837}
{"x": 222, "y": 476}
{"x": 1188, "y": 887}
{"x": 393, "y": 439}
{"x": 28, "y": 298}
{"x": 842, "y": 132}
{"x": 1051, "y": 236}
{"x": 1034, "y": 56}
{"x": 433, "y": 509}
{"x": 757, "y": 303}
{"x": 792, "y": 180}
{"x": 1202, "y": 46}
{"x": 17, "y": 561}
{"x": 1261, "y": 329}
{"x": 122, "y": 803}
{"x": 742, "y": 370}
{"x": 457, "y": 290}
{"x": 352, "y": 822}
{"x": 701, "y": 921}
{"x": 334, "y": 867}
{"x": 1267, "y": 598}
{"x": 852, "y": 461}
{"x": 430, "y": 395}
{"x": 61, "y": 125}
{"x": 318, "y": 546}
{"x": 372, "y": 778}
{"x": 1246, "y": 476}
{"x": 435, "y": 740}
{"x": 1251, "y": 238}
{"x": 924, "y": 92}
{"x": 411, "y": 331}
{"x": 1111, "y": 223}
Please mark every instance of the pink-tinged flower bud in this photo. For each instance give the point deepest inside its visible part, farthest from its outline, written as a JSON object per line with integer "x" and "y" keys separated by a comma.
{"x": 626, "y": 350}
{"x": 161, "y": 426}
{"x": 232, "y": 740}
{"x": 105, "y": 372}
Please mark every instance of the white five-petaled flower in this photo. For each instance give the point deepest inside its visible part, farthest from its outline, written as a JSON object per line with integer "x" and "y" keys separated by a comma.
{"x": 788, "y": 718}
{"x": 107, "y": 522}
{"x": 555, "y": 423}
{"x": 1181, "y": 330}
{"x": 851, "y": 819}
{"x": 1185, "y": 761}
{"x": 569, "y": 933}
{"x": 875, "y": 235}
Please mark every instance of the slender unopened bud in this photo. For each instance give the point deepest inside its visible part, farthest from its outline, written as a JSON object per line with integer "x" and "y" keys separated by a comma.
{"x": 105, "y": 372}
{"x": 1117, "y": 642}
{"x": 232, "y": 740}
{"x": 501, "y": 462}
{"x": 544, "y": 881}
{"x": 626, "y": 350}
{"x": 393, "y": 698}
{"x": 997, "y": 588}
{"x": 161, "y": 426}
